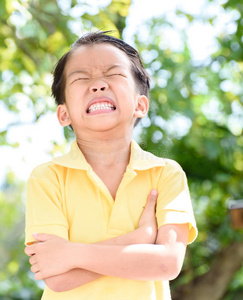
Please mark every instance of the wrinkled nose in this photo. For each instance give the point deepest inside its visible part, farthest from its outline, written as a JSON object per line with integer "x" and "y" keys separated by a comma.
{"x": 98, "y": 85}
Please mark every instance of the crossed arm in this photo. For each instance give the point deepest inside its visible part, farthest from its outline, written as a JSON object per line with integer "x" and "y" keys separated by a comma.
{"x": 64, "y": 265}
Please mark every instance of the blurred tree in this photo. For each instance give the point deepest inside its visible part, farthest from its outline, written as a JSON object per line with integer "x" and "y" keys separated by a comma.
{"x": 34, "y": 34}
{"x": 16, "y": 280}
{"x": 196, "y": 118}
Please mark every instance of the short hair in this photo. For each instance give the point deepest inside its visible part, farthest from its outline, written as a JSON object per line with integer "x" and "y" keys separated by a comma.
{"x": 138, "y": 71}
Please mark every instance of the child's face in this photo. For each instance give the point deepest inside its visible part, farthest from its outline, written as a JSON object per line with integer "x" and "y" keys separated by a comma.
{"x": 100, "y": 91}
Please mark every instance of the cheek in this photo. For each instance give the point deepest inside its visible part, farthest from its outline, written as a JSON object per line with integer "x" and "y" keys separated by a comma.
{"x": 127, "y": 89}
{"x": 67, "y": 93}
{"x": 73, "y": 94}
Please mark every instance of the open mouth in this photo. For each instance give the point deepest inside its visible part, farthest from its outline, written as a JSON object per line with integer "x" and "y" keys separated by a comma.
{"x": 101, "y": 106}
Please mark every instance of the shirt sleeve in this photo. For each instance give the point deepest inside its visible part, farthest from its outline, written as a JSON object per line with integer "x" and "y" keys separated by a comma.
{"x": 44, "y": 208}
{"x": 174, "y": 204}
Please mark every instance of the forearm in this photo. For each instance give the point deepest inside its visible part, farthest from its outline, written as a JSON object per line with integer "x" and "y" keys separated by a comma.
{"x": 138, "y": 236}
{"x": 62, "y": 275}
{"x": 71, "y": 280}
{"x": 162, "y": 261}
{"x": 78, "y": 277}
{"x": 137, "y": 262}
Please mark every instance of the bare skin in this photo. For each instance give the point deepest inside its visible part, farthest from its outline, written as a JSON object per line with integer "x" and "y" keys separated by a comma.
{"x": 161, "y": 261}
{"x": 146, "y": 233}
{"x": 100, "y": 74}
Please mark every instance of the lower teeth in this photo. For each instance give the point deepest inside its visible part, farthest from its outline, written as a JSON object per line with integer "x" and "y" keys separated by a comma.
{"x": 110, "y": 108}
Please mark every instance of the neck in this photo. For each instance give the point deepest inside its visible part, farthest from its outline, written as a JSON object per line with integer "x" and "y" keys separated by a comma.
{"x": 106, "y": 153}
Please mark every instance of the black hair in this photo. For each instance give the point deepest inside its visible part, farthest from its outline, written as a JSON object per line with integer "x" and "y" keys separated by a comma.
{"x": 140, "y": 75}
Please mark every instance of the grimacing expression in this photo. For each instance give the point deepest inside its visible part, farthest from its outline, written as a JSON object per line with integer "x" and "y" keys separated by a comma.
{"x": 100, "y": 90}
{"x": 140, "y": 75}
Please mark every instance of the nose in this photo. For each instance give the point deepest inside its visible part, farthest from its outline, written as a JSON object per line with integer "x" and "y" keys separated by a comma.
{"x": 98, "y": 85}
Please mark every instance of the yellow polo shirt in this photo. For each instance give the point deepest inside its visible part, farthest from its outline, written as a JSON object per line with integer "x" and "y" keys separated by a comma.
{"x": 65, "y": 197}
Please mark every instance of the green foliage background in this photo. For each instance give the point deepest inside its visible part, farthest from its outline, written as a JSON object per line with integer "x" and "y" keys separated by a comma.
{"x": 195, "y": 117}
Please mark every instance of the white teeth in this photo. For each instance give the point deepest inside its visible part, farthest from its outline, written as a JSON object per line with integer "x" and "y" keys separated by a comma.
{"x": 99, "y": 106}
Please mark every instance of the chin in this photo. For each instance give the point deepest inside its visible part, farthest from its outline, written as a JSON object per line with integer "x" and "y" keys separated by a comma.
{"x": 104, "y": 125}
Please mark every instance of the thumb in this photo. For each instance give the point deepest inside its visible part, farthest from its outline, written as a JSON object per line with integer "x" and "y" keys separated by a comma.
{"x": 152, "y": 197}
{"x": 42, "y": 237}
{"x": 154, "y": 193}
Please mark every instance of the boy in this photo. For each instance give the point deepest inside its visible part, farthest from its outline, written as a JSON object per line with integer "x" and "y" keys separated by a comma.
{"x": 91, "y": 229}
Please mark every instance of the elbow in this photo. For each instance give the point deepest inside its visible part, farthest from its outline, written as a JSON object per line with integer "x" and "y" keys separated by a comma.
{"x": 55, "y": 284}
{"x": 170, "y": 269}
{"x": 175, "y": 271}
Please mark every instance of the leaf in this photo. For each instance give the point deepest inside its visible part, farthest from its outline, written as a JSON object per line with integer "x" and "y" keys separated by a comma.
{"x": 2, "y": 8}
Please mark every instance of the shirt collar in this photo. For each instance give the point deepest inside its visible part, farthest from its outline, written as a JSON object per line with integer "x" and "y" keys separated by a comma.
{"x": 74, "y": 159}
{"x": 139, "y": 159}
{"x": 143, "y": 160}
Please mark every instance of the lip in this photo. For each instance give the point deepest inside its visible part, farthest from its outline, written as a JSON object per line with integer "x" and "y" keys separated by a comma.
{"x": 99, "y": 100}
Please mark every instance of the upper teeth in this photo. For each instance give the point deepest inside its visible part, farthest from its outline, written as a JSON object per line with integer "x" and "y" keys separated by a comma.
{"x": 103, "y": 105}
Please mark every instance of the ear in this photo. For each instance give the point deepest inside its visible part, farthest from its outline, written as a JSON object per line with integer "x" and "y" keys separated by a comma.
{"x": 62, "y": 115}
{"x": 142, "y": 107}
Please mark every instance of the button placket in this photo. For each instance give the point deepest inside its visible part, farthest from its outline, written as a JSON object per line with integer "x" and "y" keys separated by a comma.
{"x": 108, "y": 206}
{"x": 119, "y": 211}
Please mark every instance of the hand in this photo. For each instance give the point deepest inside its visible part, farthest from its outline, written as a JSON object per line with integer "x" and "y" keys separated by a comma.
{"x": 50, "y": 256}
{"x": 147, "y": 221}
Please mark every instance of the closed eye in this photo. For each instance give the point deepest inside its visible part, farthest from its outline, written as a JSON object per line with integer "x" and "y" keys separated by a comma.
{"x": 80, "y": 78}
{"x": 115, "y": 74}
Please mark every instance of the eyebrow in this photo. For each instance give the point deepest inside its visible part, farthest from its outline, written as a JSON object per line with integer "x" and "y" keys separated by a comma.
{"x": 81, "y": 71}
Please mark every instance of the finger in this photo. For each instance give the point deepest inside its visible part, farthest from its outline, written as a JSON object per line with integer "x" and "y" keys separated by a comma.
{"x": 152, "y": 197}
{"x": 32, "y": 260}
{"x": 42, "y": 237}
{"x": 38, "y": 276}
{"x": 35, "y": 268}
{"x": 30, "y": 250}
{"x": 153, "y": 193}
